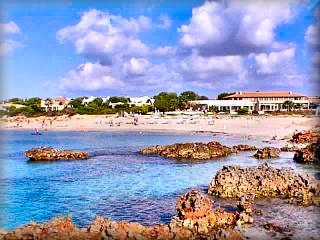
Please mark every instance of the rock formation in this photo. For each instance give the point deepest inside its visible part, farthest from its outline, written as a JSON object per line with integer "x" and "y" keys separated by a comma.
{"x": 305, "y": 137}
{"x": 190, "y": 150}
{"x": 309, "y": 154}
{"x": 266, "y": 153}
{"x": 243, "y": 147}
{"x": 265, "y": 181}
{"x": 196, "y": 220}
{"x": 52, "y": 154}
{"x": 199, "y": 151}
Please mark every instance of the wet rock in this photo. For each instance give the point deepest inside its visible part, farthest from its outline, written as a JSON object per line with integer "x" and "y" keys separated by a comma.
{"x": 309, "y": 154}
{"x": 245, "y": 207}
{"x": 267, "y": 153}
{"x": 289, "y": 149}
{"x": 305, "y": 137}
{"x": 265, "y": 181}
{"x": 52, "y": 154}
{"x": 198, "y": 151}
{"x": 244, "y": 147}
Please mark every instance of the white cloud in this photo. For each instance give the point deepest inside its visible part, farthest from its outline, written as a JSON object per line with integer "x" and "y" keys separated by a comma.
{"x": 7, "y": 32}
{"x": 8, "y": 46}
{"x": 165, "y": 51}
{"x": 235, "y": 28}
{"x": 90, "y": 77}
{"x": 102, "y": 36}
{"x": 136, "y": 67}
{"x": 274, "y": 62}
{"x": 9, "y": 28}
{"x": 312, "y": 39}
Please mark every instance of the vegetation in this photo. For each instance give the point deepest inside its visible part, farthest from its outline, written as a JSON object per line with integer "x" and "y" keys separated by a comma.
{"x": 288, "y": 105}
{"x": 243, "y": 111}
{"x": 221, "y": 96}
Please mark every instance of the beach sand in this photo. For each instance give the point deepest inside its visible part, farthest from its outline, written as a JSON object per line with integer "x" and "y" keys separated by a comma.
{"x": 263, "y": 126}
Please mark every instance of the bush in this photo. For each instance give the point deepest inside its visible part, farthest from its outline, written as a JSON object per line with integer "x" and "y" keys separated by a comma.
{"x": 243, "y": 111}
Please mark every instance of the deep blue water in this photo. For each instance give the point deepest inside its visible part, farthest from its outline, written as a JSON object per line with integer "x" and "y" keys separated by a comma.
{"x": 116, "y": 182}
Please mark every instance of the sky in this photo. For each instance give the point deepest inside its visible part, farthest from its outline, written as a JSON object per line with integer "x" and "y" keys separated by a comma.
{"x": 135, "y": 48}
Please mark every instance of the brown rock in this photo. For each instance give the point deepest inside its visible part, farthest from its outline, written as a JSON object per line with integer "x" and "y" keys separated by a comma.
{"x": 52, "y": 154}
{"x": 309, "y": 154}
{"x": 305, "y": 137}
{"x": 267, "y": 153}
{"x": 265, "y": 181}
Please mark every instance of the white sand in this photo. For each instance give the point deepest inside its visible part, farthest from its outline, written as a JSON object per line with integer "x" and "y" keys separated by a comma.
{"x": 281, "y": 126}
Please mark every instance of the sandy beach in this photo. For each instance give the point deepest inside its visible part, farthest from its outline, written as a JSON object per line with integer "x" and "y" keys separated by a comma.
{"x": 263, "y": 126}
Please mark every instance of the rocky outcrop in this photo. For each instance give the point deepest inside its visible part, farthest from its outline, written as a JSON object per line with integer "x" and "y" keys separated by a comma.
{"x": 267, "y": 153}
{"x": 309, "y": 154}
{"x": 289, "y": 149}
{"x": 190, "y": 150}
{"x": 52, "y": 154}
{"x": 265, "y": 181}
{"x": 305, "y": 137}
{"x": 196, "y": 220}
{"x": 245, "y": 207}
{"x": 244, "y": 147}
{"x": 198, "y": 151}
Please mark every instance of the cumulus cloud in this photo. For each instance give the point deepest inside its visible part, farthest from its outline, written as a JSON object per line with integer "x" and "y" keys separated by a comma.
{"x": 100, "y": 35}
{"x": 241, "y": 28}
{"x": 165, "y": 51}
{"x": 312, "y": 39}
{"x": 213, "y": 71}
{"x": 136, "y": 67}
{"x": 7, "y": 32}
{"x": 9, "y": 28}
{"x": 90, "y": 77}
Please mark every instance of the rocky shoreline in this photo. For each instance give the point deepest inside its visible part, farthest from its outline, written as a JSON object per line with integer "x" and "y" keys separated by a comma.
{"x": 196, "y": 219}
{"x": 265, "y": 181}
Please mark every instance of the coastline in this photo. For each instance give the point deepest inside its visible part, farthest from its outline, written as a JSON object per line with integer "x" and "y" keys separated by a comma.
{"x": 251, "y": 126}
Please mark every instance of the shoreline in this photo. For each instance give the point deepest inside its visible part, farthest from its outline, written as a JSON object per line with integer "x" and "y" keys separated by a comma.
{"x": 251, "y": 126}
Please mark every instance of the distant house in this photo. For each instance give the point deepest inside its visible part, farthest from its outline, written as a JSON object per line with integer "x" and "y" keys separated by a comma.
{"x": 88, "y": 100}
{"x": 256, "y": 101}
{"x": 55, "y": 104}
{"x": 140, "y": 101}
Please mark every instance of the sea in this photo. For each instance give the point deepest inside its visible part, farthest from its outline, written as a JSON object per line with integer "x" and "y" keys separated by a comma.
{"x": 118, "y": 182}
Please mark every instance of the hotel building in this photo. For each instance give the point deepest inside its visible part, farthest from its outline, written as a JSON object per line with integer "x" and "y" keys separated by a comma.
{"x": 256, "y": 101}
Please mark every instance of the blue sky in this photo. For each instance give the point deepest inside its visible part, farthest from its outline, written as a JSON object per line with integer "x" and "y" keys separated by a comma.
{"x": 143, "y": 47}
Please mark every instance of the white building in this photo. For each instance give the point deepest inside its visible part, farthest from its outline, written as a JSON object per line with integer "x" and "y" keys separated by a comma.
{"x": 140, "y": 101}
{"x": 256, "y": 101}
{"x": 88, "y": 100}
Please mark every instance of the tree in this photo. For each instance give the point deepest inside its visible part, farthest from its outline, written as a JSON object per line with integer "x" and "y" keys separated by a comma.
{"x": 221, "y": 96}
{"x": 116, "y": 99}
{"x": 298, "y": 106}
{"x": 165, "y": 101}
{"x": 288, "y": 104}
{"x": 203, "y": 98}
{"x": 77, "y": 102}
{"x": 185, "y": 97}
{"x": 243, "y": 111}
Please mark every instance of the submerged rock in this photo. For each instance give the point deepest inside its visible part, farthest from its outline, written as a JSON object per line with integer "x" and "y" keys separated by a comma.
{"x": 309, "y": 154}
{"x": 52, "y": 154}
{"x": 266, "y": 153}
{"x": 265, "y": 181}
{"x": 196, "y": 220}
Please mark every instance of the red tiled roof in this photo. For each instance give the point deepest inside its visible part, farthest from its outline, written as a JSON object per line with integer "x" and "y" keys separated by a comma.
{"x": 264, "y": 94}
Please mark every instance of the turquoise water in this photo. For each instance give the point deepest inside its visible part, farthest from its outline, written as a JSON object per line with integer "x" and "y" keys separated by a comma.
{"x": 117, "y": 182}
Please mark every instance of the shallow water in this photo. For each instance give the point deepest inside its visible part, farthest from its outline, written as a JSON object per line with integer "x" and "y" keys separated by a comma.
{"x": 116, "y": 182}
